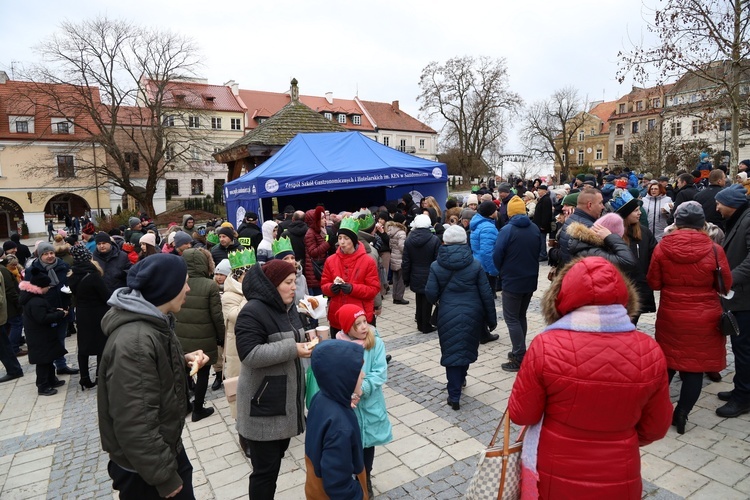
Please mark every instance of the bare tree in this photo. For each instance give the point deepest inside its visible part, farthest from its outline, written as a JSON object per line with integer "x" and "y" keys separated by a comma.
{"x": 115, "y": 81}
{"x": 705, "y": 38}
{"x": 551, "y": 124}
{"x": 471, "y": 96}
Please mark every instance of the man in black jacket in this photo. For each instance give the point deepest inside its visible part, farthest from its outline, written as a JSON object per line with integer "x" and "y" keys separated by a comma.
{"x": 707, "y": 197}
{"x": 296, "y": 231}
{"x": 589, "y": 207}
{"x": 249, "y": 233}
{"x": 543, "y": 218}
{"x": 227, "y": 244}
{"x": 686, "y": 190}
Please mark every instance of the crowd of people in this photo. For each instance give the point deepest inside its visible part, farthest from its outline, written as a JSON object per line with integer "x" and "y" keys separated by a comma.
{"x": 157, "y": 308}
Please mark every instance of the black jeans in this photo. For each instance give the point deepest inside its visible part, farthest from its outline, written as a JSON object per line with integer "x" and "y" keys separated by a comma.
{"x": 424, "y": 312}
{"x": 45, "y": 376}
{"x": 515, "y": 306}
{"x": 369, "y": 456}
{"x": 8, "y": 357}
{"x": 690, "y": 390}
{"x": 266, "y": 460}
{"x": 132, "y": 486}
{"x": 741, "y": 350}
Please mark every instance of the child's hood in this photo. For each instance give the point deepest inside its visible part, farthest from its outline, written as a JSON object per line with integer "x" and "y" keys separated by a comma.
{"x": 336, "y": 365}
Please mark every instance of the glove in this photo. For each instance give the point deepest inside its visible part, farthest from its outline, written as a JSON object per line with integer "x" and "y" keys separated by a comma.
{"x": 346, "y": 288}
{"x": 220, "y": 342}
{"x": 336, "y": 288}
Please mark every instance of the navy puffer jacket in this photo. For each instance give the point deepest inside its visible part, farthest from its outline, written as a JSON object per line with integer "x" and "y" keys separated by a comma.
{"x": 420, "y": 250}
{"x": 467, "y": 305}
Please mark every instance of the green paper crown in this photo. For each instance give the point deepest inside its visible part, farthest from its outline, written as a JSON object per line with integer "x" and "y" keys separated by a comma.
{"x": 350, "y": 224}
{"x": 282, "y": 245}
{"x": 242, "y": 258}
{"x": 212, "y": 238}
{"x": 366, "y": 221}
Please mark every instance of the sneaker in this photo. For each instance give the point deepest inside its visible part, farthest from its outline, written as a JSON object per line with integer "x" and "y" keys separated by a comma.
{"x": 201, "y": 413}
{"x": 511, "y": 366}
{"x": 733, "y": 409}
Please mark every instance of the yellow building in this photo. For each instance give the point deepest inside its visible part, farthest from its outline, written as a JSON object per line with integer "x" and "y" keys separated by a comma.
{"x": 590, "y": 145}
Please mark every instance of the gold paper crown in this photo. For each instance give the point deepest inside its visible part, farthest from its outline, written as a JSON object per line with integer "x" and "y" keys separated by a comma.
{"x": 212, "y": 238}
{"x": 282, "y": 245}
{"x": 350, "y": 224}
{"x": 242, "y": 258}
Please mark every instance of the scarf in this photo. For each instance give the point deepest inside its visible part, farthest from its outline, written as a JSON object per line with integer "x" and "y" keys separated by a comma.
{"x": 343, "y": 336}
{"x": 51, "y": 271}
{"x": 599, "y": 319}
{"x": 16, "y": 274}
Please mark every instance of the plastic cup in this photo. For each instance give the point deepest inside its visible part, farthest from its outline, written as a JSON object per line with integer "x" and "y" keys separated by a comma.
{"x": 324, "y": 332}
{"x": 311, "y": 334}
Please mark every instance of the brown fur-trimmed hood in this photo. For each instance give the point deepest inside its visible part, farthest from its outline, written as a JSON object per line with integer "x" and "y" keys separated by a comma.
{"x": 549, "y": 308}
{"x": 578, "y": 231}
{"x": 397, "y": 225}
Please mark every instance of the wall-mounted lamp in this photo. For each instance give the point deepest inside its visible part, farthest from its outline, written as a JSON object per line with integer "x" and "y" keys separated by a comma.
{"x": 28, "y": 193}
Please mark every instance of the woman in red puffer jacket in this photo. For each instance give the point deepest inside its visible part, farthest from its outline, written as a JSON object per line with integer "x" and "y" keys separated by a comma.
{"x": 600, "y": 385}
{"x": 682, "y": 267}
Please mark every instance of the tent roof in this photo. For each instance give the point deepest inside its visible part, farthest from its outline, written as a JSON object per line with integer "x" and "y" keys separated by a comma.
{"x": 334, "y": 160}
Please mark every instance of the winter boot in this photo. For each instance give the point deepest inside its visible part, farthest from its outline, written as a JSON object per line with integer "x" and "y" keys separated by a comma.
{"x": 217, "y": 382}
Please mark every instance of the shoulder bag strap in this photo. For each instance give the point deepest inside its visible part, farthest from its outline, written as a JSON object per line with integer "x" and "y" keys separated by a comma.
{"x": 722, "y": 290}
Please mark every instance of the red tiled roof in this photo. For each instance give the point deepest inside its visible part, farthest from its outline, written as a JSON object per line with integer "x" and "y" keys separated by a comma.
{"x": 603, "y": 111}
{"x": 193, "y": 95}
{"x": 390, "y": 117}
{"x": 42, "y": 101}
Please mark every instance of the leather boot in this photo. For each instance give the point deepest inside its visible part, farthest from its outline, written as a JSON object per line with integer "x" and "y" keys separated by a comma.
{"x": 679, "y": 419}
{"x": 217, "y": 382}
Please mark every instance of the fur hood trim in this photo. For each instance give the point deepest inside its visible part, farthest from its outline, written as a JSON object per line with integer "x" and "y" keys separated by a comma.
{"x": 397, "y": 225}
{"x": 550, "y": 312}
{"x": 26, "y": 286}
{"x": 578, "y": 231}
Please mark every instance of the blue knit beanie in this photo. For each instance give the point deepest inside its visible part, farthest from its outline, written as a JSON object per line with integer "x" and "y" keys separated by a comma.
{"x": 733, "y": 196}
{"x": 159, "y": 278}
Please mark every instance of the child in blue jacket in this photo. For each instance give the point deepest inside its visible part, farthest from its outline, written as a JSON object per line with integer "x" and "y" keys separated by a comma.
{"x": 370, "y": 409}
{"x": 333, "y": 447}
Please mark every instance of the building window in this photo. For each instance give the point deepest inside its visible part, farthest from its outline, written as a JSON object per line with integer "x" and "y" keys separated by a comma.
{"x": 621, "y": 109}
{"x": 236, "y": 124}
{"x": 196, "y": 186}
{"x": 357, "y": 120}
{"x": 342, "y": 118}
{"x": 22, "y": 127}
{"x": 697, "y": 127}
{"x": 386, "y": 141}
{"x": 639, "y": 106}
{"x": 215, "y": 123}
{"x": 217, "y": 149}
{"x": 219, "y": 191}
{"x": 328, "y": 116}
{"x": 173, "y": 187}
{"x": 620, "y": 129}
{"x": 599, "y": 154}
{"x": 651, "y": 124}
{"x": 581, "y": 135}
{"x": 593, "y": 132}
{"x": 168, "y": 121}
{"x": 195, "y": 153}
{"x": 421, "y": 144}
{"x": 564, "y": 158}
{"x": 635, "y": 127}
{"x": 261, "y": 120}
{"x": 694, "y": 98}
{"x": 132, "y": 161}
{"x": 193, "y": 122}
{"x": 656, "y": 102}
{"x": 63, "y": 127}
{"x": 65, "y": 166}
{"x": 675, "y": 129}
{"x": 169, "y": 153}
{"x": 618, "y": 152}
{"x": 580, "y": 156}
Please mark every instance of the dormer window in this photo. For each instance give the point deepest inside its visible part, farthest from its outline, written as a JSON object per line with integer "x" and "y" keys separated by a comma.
{"x": 21, "y": 124}
{"x": 656, "y": 102}
{"x": 22, "y": 127}
{"x": 621, "y": 109}
{"x": 61, "y": 126}
{"x": 342, "y": 118}
{"x": 639, "y": 106}
{"x": 328, "y": 116}
{"x": 357, "y": 120}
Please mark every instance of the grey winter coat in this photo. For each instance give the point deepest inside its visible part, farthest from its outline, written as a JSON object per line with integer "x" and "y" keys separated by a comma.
{"x": 271, "y": 388}
{"x": 397, "y": 233}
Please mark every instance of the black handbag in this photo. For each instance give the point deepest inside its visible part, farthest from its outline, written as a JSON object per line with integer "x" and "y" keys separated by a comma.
{"x": 317, "y": 266}
{"x": 727, "y": 323}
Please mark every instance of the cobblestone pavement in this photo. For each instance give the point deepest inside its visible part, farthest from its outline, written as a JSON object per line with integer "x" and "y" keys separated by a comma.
{"x": 49, "y": 446}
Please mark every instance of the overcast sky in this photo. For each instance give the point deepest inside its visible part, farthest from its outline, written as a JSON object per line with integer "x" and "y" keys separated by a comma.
{"x": 376, "y": 49}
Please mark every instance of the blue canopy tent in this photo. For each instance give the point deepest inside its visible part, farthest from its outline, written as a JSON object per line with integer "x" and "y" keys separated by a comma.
{"x": 343, "y": 170}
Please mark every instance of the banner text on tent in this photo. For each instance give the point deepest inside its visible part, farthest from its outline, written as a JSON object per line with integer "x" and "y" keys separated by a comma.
{"x": 353, "y": 180}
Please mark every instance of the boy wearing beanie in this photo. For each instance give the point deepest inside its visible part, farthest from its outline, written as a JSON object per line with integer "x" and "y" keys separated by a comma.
{"x": 516, "y": 256}
{"x": 142, "y": 399}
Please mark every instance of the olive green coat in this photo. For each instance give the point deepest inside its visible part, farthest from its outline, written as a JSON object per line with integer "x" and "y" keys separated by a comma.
{"x": 200, "y": 322}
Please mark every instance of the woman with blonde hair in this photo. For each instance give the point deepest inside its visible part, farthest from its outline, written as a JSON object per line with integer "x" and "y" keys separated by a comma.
{"x": 431, "y": 202}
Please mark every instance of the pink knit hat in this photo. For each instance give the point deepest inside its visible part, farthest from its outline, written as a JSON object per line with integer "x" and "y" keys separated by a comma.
{"x": 613, "y": 222}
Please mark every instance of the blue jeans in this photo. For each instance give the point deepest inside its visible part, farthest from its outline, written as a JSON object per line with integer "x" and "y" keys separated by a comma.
{"x": 543, "y": 252}
{"x": 15, "y": 328}
{"x": 62, "y": 332}
{"x": 515, "y": 306}
{"x": 741, "y": 350}
{"x": 456, "y": 376}
{"x": 8, "y": 357}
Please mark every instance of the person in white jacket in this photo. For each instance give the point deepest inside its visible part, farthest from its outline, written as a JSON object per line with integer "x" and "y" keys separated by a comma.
{"x": 658, "y": 206}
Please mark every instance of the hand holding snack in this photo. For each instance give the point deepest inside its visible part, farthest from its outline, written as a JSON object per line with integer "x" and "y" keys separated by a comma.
{"x": 304, "y": 350}
{"x": 196, "y": 360}
{"x": 338, "y": 280}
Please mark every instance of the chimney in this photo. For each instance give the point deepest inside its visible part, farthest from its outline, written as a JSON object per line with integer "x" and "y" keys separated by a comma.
{"x": 234, "y": 86}
{"x": 329, "y": 97}
{"x": 394, "y": 105}
{"x": 3, "y": 77}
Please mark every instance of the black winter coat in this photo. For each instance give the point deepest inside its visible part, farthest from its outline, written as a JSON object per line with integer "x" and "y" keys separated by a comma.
{"x": 249, "y": 235}
{"x": 420, "y": 251}
{"x": 584, "y": 242}
{"x": 296, "y": 234}
{"x": 467, "y": 305}
{"x": 686, "y": 193}
{"x": 39, "y": 322}
{"x": 219, "y": 253}
{"x": 54, "y": 297}
{"x": 543, "y": 214}
{"x": 115, "y": 264}
{"x": 91, "y": 296}
{"x": 642, "y": 251}
{"x": 707, "y": 199}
